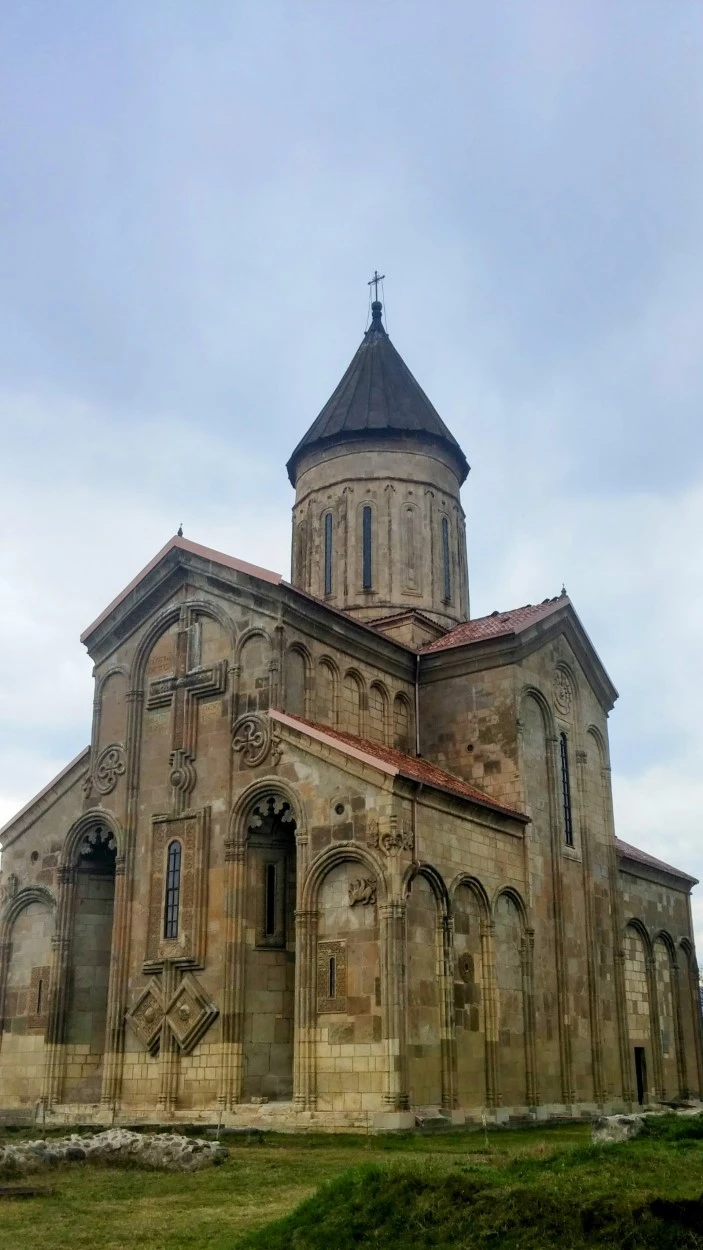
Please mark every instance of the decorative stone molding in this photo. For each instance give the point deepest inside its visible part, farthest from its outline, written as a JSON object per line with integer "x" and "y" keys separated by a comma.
{"x": 109, "y": 766}
{"x": 362, "y": 891}
{"x": 252, "y": 739}
{"x": 391, "y": 837}
{"x": 326, "y": 952}
{"x": 562, "y": 693}
{"x": 192, "y": 830}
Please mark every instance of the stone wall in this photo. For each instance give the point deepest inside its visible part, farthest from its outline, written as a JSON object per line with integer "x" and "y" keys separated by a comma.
{"x": 410, "y": 490}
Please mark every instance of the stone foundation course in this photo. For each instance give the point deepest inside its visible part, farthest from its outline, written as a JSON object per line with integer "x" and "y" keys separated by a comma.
{"x": 168, "y": 1152}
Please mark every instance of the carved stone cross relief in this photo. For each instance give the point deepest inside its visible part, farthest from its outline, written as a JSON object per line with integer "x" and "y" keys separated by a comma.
{"x": 181, "y": 690}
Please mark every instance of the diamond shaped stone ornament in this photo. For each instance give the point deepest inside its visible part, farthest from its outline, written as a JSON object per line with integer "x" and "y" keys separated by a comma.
{"x": 147, "y": 1016}
{"x": 189, "y": 1013}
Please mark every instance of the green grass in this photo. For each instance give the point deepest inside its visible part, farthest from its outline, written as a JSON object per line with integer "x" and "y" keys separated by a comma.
{"x": 527, "y": 1189}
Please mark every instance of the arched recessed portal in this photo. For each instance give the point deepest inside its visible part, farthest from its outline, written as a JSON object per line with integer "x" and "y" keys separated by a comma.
{"x": 270, "y": 954}
{"x": 91, "y": 944}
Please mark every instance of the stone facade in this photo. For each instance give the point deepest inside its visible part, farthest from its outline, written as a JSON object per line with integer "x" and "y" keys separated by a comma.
{"x": 338, "y": 860}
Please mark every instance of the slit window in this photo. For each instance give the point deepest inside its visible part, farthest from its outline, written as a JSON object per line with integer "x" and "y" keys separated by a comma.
{"x": 270, "y": 901}
{"x": 566, "y": 790}
{"x": 332, "y": 978}
{"x": 40, "y": 987}
{"x": 367, "y": 570}
{"x": 173, "y": 890}
{"x": 445, "y": 560}
{"x": 328, "y": 553}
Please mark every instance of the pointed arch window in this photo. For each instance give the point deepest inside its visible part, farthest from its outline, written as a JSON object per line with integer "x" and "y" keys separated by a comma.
{"x": 328, "y": 553}
{"x": 173, "y": 890}
{"x": 566, "y": 790}
{"x": 445, "y": 560}
{"x": 366, "y": 546}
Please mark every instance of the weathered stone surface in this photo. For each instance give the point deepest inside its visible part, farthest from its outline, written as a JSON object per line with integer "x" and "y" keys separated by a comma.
{"x": 169, "y": 1152}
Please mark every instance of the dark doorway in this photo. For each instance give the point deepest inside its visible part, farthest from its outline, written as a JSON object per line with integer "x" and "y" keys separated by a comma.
{"x": 641, "y": 1074}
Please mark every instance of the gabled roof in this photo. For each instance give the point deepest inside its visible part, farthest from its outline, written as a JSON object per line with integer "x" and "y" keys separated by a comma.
{"x": 183, "y": 544}
{"x": 46, "y": 797}
{"x": 497, "y": 624}
{"x": 378, "y": 396}
{"x": 395, "y": 763}
{"x": 626, "y": 851}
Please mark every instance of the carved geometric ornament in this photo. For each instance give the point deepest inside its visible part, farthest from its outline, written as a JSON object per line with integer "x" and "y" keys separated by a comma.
{"x": 188, "y": 1014}
{"x": 110, "y": 764}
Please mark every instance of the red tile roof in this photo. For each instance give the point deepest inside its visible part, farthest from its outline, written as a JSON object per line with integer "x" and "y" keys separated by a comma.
{"x": 394, "y": 762}
{"x": 626, "y": 851}
{"x": 497, "y": 624}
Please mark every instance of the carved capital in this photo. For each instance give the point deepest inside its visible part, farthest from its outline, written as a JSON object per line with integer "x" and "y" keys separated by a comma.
{"x": 65, "y": 874}
{"x": 234, "y": 851}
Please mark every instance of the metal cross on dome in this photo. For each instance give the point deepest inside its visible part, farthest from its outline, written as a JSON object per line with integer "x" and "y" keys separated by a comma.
{"x": 377, "y": 277}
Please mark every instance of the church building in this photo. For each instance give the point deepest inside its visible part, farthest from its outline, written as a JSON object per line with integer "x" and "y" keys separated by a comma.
{"x": 338, "y": 854}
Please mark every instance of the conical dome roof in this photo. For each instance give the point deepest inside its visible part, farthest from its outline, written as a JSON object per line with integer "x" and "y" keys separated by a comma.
{"x": 377, "y": 397}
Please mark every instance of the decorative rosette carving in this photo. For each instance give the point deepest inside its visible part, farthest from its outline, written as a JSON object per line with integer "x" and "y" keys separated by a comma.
{"x": 110, "y": 764}
{"x": 251, "y": 738}
{"x": 562, "y": 693}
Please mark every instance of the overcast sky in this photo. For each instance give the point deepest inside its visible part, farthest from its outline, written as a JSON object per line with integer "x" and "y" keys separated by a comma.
{"x": 192, "y": 198}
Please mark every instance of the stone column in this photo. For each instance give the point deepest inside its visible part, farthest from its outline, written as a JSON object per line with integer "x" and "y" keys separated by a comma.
{"x": 527, "y": 948}
{"x": 169, "y": 1051}
{"x": 233, "y": 989}
{"x": 628, "y": 1090}
{"x": 594, "y": 1006}
{"x": 563, "y": 1012}
{"x": 681, "y": 1068}
{"x": 628, "y": 1087}
{"x": 447, "y": 1022}
{"x": 392, "y": 917}
{"x": 305, "y": 1023}
{"x": 695, "y": 1001}
{"x": 58, "y": 986}
{"x": 490, "y": 1012}
{"x": 655, "y": 1027}
{"x": 117, "y": 989}
{"x": 5, "y": 949}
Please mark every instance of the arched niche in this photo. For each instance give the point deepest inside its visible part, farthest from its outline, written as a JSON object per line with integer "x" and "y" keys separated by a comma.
{"x": 667, "y": 989}
{"x": 297, "y": 668}
{"x": 427, "y": 906}
{"x": 326, "y": 691}
{"x": 25, "y": 970}
{"x": 378, "y": 712}
{"x": 470, "y": 978}
{"x": 353, "y": 703}
{"x": 268, "y": 825}
{"x": 254, "y": 682}
{"x": 638, "y": 953}
{"x": 402, "y": 723}
{"x": 508, "y": 916}
{"x": 89, "y": 964}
